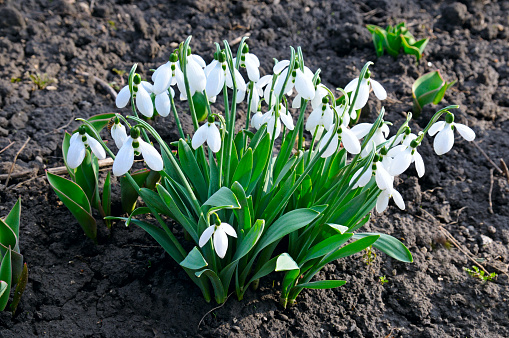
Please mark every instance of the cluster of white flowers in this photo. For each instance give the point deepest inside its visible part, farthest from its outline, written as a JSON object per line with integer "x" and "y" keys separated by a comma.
{"x": 392, "y": 156}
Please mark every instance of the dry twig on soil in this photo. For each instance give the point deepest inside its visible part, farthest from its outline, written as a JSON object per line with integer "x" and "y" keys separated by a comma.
{"x": 14, "y": 162}
{"x": 490, "y": 208}
{"x": 103, "y": 83}
{"x": 7, "y": 147}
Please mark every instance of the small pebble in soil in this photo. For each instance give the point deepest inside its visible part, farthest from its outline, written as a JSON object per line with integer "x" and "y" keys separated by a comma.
{"x": 485, "y": 240}
{"x": 492, "y": 229}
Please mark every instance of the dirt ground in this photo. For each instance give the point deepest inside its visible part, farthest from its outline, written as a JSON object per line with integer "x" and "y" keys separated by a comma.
{"x": 127, "y": 286}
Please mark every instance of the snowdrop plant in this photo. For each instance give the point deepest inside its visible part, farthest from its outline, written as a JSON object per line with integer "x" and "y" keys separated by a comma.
{"x": 248, "y": 207}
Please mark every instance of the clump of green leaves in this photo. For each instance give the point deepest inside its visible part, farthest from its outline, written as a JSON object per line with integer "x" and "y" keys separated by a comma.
{"x": 12, "y": 270}
{"x": 80, "y": 193}
{"x": 480, "y": 274}
{"x": 429, "y": 88}
{"x": 42, "y": 80}
{"x": 393, "y": 39}
{"x": 383, "y": 280}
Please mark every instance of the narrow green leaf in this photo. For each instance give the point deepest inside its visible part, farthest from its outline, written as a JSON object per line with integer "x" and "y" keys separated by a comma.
{"x": 219, "y": 291}
{"x": 65, "y": 149}
{"x": 20, "y": 288}
{"x": 243, "y": 172}
{"x": 6, "y": 276}
{"x": 192, "y": 170}
{"x": 13, "y": 217}
{"x": 250, "y": 240}
{"x": 323, "y": 284}
{"x": 106, "y": 201}
{"x": 78, "y": 205}
{"x": 351, "y": 249}
{"x": 177, "y": 214}
{"x": 194, "y": 260}
{"x": 389, "y": 245}
{"x": 224, "y": 198}
{"x": 325, "y": 247}
{"x": 3, "y": 287}
{"x": 101, "y": 120}
{"x": 243, "y": 214}
{"x": 161, "y": 237}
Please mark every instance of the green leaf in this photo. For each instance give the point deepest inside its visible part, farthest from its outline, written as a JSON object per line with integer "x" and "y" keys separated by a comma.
{"x": 86, "y": 178}
{"x": 106, "y": 201}
{"x": 20, "y": 288}
{"x": 389, "y": 245}
{"x": 325, "y": 247}
{"x": 243, "y": 172}
{"x": 323, "y": 284}
{"x": 13, "y": 217}
{"x": 101, "y": 120}
{"x": 250, "y": 239}
{"x": 243, "y": 213}
{"x": 340, "y": 228}
{"x": 219, "y": 291}
{"x": 200, "y": 106}
{"x": 7, "y": 236}
{"x": 194, "y": 260}
{"x": 128, "y": 193}
{"x": 285, "y": 262}
{"x": 286, "y": 224}
{"x": 351, "y": 249}
{"x": 192, "y": 170}
{"x": 177, "y": 214}
{"x": 6, "y": 276}
{"x": 78, "y": 205}
{"x": 429, "y": 88}
{"x": 162, "y": 238}
{"x": 3, "y": 287}
{"x": 223, "y": 198}
{"x": 260, "y": 157}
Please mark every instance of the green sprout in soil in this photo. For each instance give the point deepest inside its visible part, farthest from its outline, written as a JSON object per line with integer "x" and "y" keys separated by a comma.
{"x": 392, "y": 39}
{"x": 369, "y": 255}
{"x": 15, "y": 79}
{"x": 480, "y": 274}
{"x": 427, "y": 89}
{"x": 383, "y": 280}
{"x": 41, "y": 81}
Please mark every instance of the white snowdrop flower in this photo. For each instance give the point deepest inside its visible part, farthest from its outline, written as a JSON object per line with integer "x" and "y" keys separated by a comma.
{"x": 363, "y": 94}
{"x": 165, "y": 75}
{"x": 140, "y": 93}
{"x": 404, "y": 156}
{"x": 77, "y": 148}
{"x": 257, "y": 120}
{"x": 320, "y": 93}
{"x": 301, "y": 80}
{"x": 195, "y": 75}
{"x": 219, "y": 234}
{"x": 379, "y": 137}
{"x": 208, "y": 133}
{"x": 445, "y": 139}
{"x": 134, "y": 145}
{"x": 382, "y": 200}
{"x": 218, "y": 74}
{"x": 268, "y": 94}
{"x": 250, "y": 62}
{"x": 321, "y": 116}
{"x": 348, "y": 138}
{"x": 118, "y": 133}
{"x": 382, "y": 177}
{"x": 257, "y": 93}
{"x": 271, "y": 120}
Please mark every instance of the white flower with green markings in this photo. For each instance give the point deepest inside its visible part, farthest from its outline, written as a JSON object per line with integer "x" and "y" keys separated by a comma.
{"x": 219, "y": 233}
{"x": 77, "y": 148}
{"x": 445, "y": 139}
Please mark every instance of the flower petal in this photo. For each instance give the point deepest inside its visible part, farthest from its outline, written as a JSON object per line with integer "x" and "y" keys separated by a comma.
{"x": 350, "y": 141}
{"x": 362, "y": 129}
{"x": 467, "y": 133}
{"x": 200, "y": 136}
{"x": 419, "y": 164}
{"x": 401, "y": 162}
{"x": 123, "y": 97}
{"x": 253, "y": 73}
{"x": 444, "y": 140}
{"x": 436, "y": 127}
{"x": 304, "y": 85}
{"x": 362, "y": 96}
{"x": 119, "y": 135}
{"x": 205, "y": 236}
{"x": 383, "y": 178}
{"x": 125, "y": 158}
{"x": 333, "y": 145}
{"x": 287, "y": 119}
{"x": 144, "y": 102}
{"x": 162, "y": 103}
{"x": 196, "y": 76}
{"x": 382, "y": 201}
{"x": 220, "y": 242}
{"x": 379, "y": 91}
{"x": 228, "y": 229}
{"x": 215, "y": 81}
{"x": 213, "y": 138}
{"x": 396, "y": 196}
{"x": 96, "y": 147}
{"x": 151, "y": 155}
{"x": 352, "y": 85}
{"x": 163, "y": 79}
{"x": 76, "y": 152}
{"x": 313, "y": 120}
{"x": 278, "y": 67}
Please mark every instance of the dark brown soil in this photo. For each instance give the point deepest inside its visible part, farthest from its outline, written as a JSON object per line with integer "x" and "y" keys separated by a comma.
{"x": 128, "y": 286}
